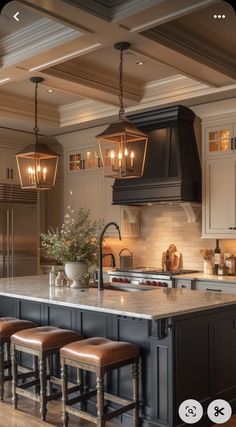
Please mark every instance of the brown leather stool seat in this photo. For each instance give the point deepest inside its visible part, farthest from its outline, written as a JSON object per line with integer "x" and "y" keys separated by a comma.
{"x": 11, "y": 325}
{"x": 45, "y": 338}
{"x": 99, "y": 351}
{"x": 42, "y": 342}
{"x": 8, "y": 326}
{"x": 99, "y": 355}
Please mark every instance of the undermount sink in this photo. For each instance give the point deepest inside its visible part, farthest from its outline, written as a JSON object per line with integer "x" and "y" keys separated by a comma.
{"x": 129, "y": 289}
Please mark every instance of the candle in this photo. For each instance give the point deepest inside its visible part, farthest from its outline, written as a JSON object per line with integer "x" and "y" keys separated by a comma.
{"x": 120, "y": 158}
{"x": 132, "y": 159}
{"x": 44, "y": 173}
{"x": 112, "y": 157}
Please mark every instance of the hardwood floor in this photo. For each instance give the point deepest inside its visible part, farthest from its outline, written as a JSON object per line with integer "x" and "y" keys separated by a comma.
{"x": 28, "y": 415}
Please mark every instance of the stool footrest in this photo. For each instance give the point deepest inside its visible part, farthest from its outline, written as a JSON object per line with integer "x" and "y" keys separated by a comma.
{"x": 81, "y": 414}
{"x": 119, "y": 411}
{"x": 117, "y": 399}
{"x": 29, "y": 384}
{"x": 55, "y": 395}
{"x": 23, "y": 375}
{"x": 28, "y": 394}
{"x": 81, "y": 398}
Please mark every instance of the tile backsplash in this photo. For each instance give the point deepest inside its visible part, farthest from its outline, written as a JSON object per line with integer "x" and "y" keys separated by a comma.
{"x": 161, "y": 225}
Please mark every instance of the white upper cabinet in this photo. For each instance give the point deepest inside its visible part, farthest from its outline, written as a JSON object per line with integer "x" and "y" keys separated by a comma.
{"x": 220, "y": 140}
{"x": 219, "y": 178}
{"x": 8, "y": 167}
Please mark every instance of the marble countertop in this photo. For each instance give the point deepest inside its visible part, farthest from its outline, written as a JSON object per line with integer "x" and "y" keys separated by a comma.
{"x": 154, "y": 304}
{"x": 206, "y": 277}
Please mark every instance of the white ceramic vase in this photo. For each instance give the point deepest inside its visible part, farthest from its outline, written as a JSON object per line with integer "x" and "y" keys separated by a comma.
{"x": 78, "y": 272}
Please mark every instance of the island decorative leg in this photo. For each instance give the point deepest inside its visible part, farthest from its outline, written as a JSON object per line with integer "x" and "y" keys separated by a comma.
{"x": 43, "y": 382}
{"x": 135, "y": 374}
{"x": 1, "y": 370}
{"x": 65, "y": 416}
{"x": 100, "y": 400}
{"x": 14, "y": 377}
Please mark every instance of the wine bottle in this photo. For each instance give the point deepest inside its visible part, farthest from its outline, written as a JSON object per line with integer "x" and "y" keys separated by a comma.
{"x": 217, "y": 256}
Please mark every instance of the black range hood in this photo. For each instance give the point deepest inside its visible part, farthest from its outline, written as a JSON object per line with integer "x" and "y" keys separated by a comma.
{"x": 172, "y": 171}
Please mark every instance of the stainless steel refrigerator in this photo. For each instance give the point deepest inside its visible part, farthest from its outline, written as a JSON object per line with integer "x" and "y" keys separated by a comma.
{"x": 18, "y": 232}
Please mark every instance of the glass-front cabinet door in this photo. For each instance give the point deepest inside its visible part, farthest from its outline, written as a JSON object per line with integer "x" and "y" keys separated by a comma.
{"x": 220, "y": 140}
{"x": 83, "y": 160}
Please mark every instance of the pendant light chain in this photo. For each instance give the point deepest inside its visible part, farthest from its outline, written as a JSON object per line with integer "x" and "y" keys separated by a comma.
{"x": 121, "y": 95}
{"x": 36, "y": 129}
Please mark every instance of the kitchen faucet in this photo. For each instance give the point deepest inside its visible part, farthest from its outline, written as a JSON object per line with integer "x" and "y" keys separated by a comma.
{"x": 113, "y": 261}
{"x": 100, "y": 276}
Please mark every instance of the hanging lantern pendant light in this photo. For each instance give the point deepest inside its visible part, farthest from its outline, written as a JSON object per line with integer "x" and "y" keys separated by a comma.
{"x": 122, "y": 145}
{"x": 37, "y": 163}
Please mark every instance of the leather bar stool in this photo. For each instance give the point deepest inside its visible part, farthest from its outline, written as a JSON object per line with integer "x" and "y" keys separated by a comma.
{"x": 99, "y": 355}
{"x": 9, "y": 326}
{"x": 42, "y": 342}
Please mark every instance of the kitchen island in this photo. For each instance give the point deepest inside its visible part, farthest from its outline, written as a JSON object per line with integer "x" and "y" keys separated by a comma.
{"x": 187, "y": 340}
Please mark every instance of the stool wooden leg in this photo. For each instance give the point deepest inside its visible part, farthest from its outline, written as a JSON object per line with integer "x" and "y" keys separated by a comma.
{"x": 43, "y": 382}
{"x": 135, "y": 375}
{"x": 8, "y": 357}
{"x": 100, "y": 400}
{"x": 14, "y": 376}
{"x": 36, "y": 375}
{"x": 65, "y": 416}
{"x": 49, "y": 372}
{"x": 1, "y": 370}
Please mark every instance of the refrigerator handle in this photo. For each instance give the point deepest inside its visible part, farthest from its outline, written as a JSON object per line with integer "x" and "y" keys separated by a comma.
{"x": 12, "y": 243}
{"x": 8, "y": 243}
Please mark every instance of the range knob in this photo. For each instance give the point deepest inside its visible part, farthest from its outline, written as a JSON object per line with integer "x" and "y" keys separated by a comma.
{"x": 154, "y": 283}
{"x": 148, "y": 282}
{"x": 114, "y": 279}
{"x": 126, "y": 281}
{"x": 121, "y": 280}
{"x": 165, "y": 285}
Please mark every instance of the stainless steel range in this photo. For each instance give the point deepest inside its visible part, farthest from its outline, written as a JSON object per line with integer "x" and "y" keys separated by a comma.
{"x": 145, "y": 276}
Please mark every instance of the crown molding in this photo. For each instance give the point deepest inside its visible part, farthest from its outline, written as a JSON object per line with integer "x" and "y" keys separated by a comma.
{"x": 162, "y": 92}
{"x": 23, "y": 108}
{"x": 156, "y": 93}
{"x": 113, "y": 10}
{"x": 104, "y": 87}
{"x": 173, "y": 36}
{"x": 43, "y": 35}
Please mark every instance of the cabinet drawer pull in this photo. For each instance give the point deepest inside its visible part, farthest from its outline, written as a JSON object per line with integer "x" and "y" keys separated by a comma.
{"x": 11, "y": 173}
{"x": 183, "y": 286}
{"x": 8, "y": 173}
{"x": 214, "y": 290}
{"x": 230, "y": 228}
{"x": 232, "y": 143}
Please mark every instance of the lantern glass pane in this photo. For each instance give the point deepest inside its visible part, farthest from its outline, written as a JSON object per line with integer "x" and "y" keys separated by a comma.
{"x": 123, "y": 155}
{"x": 37, "y": 171}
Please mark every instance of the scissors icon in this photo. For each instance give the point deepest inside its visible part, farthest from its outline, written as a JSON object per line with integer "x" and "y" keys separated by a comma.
{"x": 218, "y": 411}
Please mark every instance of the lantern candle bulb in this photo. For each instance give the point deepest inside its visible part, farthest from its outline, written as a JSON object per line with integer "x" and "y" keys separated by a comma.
{"x": 44, "y": 173}
{"x": 120, "y": 158}
{"x": 112, "y": 157}
{"x": 132, "y": 159}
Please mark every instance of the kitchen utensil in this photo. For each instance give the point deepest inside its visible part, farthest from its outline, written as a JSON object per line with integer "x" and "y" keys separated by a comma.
{"x": 126, "y": 261}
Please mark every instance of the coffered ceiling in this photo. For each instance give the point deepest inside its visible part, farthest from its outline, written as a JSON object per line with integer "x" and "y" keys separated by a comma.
{"x": 180, "y": 53}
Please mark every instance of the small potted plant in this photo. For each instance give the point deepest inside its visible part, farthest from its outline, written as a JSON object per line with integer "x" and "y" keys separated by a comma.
{"x": 75, "y": 245}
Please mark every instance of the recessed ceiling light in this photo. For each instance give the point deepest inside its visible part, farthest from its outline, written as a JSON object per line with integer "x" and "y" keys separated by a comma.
{"x": 49, "y": 90}
{"x": 139, "y": 63}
